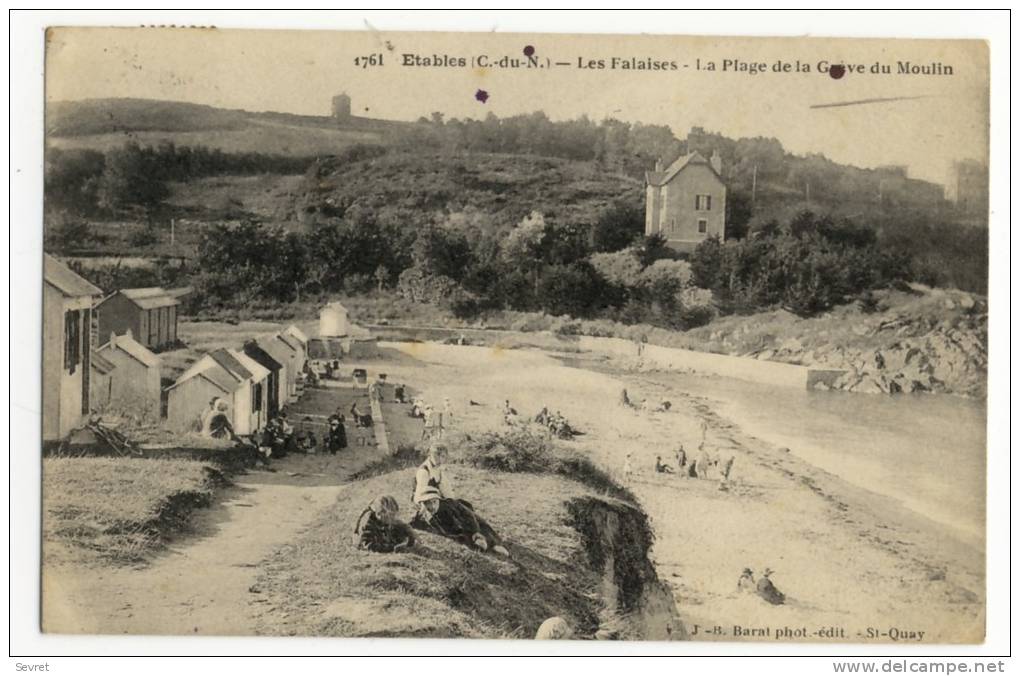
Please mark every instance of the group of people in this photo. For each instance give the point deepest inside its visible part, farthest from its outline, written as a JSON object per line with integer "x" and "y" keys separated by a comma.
{"x": 556, "y": 423}
{"x": 764, "y": 587}
{"x": 437, "y": 510}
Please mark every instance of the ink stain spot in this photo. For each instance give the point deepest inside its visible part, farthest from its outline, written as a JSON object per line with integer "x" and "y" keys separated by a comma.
{"x": 482, "y": 95}
{"x": 529, "y": 50}
{"x": 837, "y": 71}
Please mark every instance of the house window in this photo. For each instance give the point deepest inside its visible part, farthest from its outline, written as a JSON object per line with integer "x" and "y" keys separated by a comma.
{"x": 256, "y": 397}
{"x": 702, "y": 202}
{"x": 702, "y": 225}
{"x": 72, "y": 340}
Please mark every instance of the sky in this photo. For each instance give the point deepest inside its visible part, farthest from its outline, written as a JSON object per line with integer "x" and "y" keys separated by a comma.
{"x": 922, "y": 121}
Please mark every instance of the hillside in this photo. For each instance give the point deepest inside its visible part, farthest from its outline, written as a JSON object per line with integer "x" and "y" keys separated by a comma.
{"x": 503, "y": 187}
{"x": 102, "y": 124}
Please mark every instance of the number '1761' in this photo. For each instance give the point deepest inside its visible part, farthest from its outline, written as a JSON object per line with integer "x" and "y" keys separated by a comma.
{"x": 370, "y": 60}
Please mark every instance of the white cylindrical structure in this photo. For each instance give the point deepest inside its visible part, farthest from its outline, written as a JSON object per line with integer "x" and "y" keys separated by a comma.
{"x": 333, "y": 321}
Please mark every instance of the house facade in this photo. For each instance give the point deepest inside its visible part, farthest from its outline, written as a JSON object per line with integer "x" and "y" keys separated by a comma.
{"x": 134, "y": 386}
{"x": 686, "y": 202}
{"x": 66, "y": 348}
{"x": 150, "y": 314}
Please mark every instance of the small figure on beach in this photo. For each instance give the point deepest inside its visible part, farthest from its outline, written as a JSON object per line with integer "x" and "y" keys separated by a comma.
{"x": 398, "y": 394}
{"x": 661, "y": 467}
{"x": 768, "y": 591}
{"x": 627, "y": 468}
{"x": 379, "y": 530}
{"x": 625, "y": 399}
{"x": 746, "y": 582}
{"x": 442, "y": 513}
{"x": 724, "y": 481}
{"x": 681, "y": 459}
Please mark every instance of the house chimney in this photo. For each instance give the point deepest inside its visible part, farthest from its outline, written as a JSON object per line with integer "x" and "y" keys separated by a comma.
{"x": 113, "y": 339}
{"x": 128, "y": 333}
{"x": 658, "y": 164}
{"x": 716, "y": 162}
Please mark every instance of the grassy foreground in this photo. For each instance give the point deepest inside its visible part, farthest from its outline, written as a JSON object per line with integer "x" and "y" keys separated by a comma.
{"x": 117, "y": 510}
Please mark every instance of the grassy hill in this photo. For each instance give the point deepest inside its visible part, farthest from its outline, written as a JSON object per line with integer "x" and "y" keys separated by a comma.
{"x": 504, "y": 188}
{"x": 102, "y": 124}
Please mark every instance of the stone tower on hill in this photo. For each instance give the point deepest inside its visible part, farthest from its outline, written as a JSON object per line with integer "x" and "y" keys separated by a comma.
{"x": 342, "y": 108}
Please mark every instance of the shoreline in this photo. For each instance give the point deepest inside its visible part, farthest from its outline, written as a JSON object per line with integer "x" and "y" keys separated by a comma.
{"x": 867, "y": 562}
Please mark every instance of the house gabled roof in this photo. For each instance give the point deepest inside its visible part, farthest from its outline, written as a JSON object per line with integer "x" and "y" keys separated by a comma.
{"x": 293, "y": 330}
{"x": 134, "y": 349}
{"x": 228, "y": 360}
{"x": 256, "y": 352}
{"x": 663, "y": 177}
{"x": 101, "y": 363}
{"x": 290, "y": 341}
{"x": 257, "y": 370}
{"x": 67, "y": 281}
{"x": 149, "y": 297}
{"x": 214, "y": 373}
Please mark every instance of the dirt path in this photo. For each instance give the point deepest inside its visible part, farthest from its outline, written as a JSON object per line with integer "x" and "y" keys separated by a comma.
{"x": 203, "y": 583}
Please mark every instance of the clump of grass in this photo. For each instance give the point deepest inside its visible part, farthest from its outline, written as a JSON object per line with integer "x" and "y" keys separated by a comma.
{"x": 524, "y": 449}
{"x": 119, "y": 509}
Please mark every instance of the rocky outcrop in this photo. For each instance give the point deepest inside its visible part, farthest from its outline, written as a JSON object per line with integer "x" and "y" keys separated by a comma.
{"x": 921, "y": 340}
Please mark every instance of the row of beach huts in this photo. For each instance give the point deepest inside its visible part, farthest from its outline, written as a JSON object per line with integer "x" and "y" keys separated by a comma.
{"x": 100, "y": 354}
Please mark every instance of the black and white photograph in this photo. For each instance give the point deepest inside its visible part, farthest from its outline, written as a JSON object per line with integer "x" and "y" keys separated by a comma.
{"x": 373, "y": 334}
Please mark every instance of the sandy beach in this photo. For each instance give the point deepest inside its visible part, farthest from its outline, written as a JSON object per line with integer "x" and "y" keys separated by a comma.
{"x": 872, "y": 570}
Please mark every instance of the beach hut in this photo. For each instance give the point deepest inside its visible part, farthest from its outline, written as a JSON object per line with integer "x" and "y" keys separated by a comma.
{"x": 287, "y": 351}
{"x": 333, "y": 321}
{"x": 135, "y": 385}
{"x": 150, "y": 314}
{"x": 294, "y": 332}
{"x": 66, "y": 348}
{"x": 277, "y": 392}
{"x": 100, "y": 382}
{"x": 229, "y": 375}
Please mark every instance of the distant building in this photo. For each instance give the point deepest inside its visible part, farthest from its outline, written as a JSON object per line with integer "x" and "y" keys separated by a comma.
{"x": 66, "y": 348}
{"x": 134, "y": 385}
{"x": 341, "y": 107}
{"x": 686, "y": 202}
{"x": 968, "y": 187}
{"x": 150, "y": 315}
{"x": 333, "y": 322}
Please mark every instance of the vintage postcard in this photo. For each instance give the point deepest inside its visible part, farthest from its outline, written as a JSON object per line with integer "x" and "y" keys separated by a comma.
{"x": 533, "y": 336}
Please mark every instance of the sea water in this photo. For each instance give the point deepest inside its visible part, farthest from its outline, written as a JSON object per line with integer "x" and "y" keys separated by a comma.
{"x": 927, "y": 451}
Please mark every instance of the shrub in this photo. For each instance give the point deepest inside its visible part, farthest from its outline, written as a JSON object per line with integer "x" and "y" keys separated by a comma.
{"x": 515, "y": 450}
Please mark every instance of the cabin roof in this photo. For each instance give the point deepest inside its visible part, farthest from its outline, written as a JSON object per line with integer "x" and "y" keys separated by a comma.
{"x": 149, "y": 297}
{"x": 66, "y": 280}
{"x": 135, "y": 349}
{"x": 101, "y": 363}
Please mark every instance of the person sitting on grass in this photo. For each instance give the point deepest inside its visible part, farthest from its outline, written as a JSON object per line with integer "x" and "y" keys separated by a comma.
{"x": 441, "y": 513}
{"x": 661, "y": 467}
{"x": 379, "y": 530}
